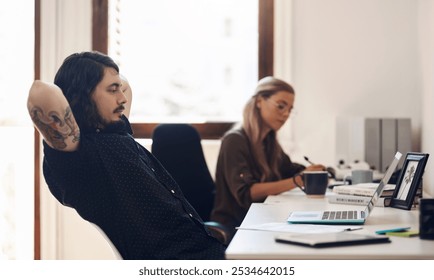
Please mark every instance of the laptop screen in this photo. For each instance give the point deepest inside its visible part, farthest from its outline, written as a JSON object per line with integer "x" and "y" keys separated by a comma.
{"x": 383, "y": 182}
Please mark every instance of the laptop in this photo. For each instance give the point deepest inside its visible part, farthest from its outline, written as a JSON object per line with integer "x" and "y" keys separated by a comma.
{"x": 345, "y": 217}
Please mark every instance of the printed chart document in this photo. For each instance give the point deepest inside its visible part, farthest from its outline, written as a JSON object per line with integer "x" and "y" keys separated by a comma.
{"x": 299, "y": 228}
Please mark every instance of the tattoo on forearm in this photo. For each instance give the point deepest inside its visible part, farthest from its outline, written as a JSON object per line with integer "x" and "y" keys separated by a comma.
{"x": 55, "y": 128}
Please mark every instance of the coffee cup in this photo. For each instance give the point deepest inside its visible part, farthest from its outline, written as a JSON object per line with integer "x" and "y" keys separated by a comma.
{"x": 315, "y": 183}
{"x": 360, "y": 176}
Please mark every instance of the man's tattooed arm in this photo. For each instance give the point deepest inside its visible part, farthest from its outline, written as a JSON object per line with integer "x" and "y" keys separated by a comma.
{"x": 56, "y": 128}
{"x": 52, "y": 116}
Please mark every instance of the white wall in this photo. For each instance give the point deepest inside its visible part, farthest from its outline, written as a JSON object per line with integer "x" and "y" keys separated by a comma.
{"x": 352, "y": 58}
{"x": 426, "y": 58}
{"x": 370, "y": 58}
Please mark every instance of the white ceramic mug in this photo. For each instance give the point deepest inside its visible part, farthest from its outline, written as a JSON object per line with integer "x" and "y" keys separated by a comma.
{"x": 361, "y": 176}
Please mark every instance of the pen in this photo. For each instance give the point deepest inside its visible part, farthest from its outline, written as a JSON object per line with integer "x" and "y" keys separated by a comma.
{"x": 384, "y": 231}
{"x": 307, "y": 159}
{"x": 330, "y": 170}
{"x": 352, "y": 228}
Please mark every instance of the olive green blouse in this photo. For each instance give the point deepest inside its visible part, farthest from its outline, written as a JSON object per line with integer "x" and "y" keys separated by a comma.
{"x": 236, "y": 172}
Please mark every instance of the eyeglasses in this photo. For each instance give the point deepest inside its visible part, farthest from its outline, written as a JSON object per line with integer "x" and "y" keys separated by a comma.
{"x": 281, "y": 107}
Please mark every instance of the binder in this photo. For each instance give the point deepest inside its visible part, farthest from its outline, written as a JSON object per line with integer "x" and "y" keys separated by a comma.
{"x": 388, "y": 142}
{"x": 403, "y": 135}
{"x": 373, "y": 142}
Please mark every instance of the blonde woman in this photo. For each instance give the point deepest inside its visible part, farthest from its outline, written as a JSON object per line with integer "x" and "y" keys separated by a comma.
{"x": 251, "y": 163}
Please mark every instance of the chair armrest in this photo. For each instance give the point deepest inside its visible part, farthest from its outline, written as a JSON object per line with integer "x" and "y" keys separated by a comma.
{"x": 218, "y": 230}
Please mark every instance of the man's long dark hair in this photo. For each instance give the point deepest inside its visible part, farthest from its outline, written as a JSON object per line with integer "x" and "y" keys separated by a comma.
{"x": 78, "y": 77}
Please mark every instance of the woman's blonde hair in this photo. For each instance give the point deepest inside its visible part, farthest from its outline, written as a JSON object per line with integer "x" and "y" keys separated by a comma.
{"x": 265, "y": 153}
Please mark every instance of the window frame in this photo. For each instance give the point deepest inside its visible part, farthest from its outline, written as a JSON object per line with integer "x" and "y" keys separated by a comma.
{"x": 37, "y": 140}
{"x": 144, "y": 130}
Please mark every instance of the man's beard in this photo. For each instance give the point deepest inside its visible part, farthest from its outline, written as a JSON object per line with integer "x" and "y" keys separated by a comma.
{"x": 115, "y": 126}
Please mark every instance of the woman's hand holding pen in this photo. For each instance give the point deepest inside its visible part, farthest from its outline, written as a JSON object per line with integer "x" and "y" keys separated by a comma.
{"x": 315, "y": 167}
{"x": 320, "y": 167}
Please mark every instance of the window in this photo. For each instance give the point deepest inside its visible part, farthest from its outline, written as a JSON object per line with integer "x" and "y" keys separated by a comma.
{"x": 16, "y": 130}
{"x": 265, "y": 58}
{"x": 188, "y": 60}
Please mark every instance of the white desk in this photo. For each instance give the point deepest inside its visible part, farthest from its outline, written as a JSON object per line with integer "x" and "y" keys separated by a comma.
{"x": 255, "y": 244}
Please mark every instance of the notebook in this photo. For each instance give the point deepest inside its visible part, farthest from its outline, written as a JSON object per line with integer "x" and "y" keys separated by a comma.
{"x": 330, "y": 239}
{"x": 347, "y": 216}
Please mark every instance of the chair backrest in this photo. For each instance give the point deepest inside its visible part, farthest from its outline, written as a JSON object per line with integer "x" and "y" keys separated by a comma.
{"x": 178, "y": 147}
{"x": 116, "y": 253}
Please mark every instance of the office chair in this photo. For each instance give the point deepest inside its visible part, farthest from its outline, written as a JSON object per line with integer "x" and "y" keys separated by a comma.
{"x": 178, "y": 147}
{"x": 116, "y": 254}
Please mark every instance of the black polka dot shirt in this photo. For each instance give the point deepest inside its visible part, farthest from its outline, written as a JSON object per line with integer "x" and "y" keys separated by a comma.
{"x": 114, "y": 182}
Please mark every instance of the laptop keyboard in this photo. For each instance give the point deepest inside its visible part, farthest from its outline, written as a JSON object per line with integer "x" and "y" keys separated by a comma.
{"x": 340, "y": 215}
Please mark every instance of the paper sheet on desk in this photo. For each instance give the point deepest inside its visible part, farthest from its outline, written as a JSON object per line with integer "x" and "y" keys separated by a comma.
{"x": 299, "y": 228}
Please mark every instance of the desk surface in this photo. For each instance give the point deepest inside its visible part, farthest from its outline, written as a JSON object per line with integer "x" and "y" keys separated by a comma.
{"x": 255, "y": 244}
